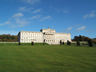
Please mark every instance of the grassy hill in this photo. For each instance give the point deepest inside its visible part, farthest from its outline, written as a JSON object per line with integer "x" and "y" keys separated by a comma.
{"x": 47, "y": 58}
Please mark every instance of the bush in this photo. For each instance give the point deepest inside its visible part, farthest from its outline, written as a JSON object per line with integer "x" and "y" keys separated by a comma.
{"x": 78, "y": 43}
{"x": 44, "y": 42}
{"x": 68, "y": 42}
{"x": 32, "y": 43}
{"x": 90, "y": 43}
{"x": 19, "y": 43}
{"x": 61, "y": 43}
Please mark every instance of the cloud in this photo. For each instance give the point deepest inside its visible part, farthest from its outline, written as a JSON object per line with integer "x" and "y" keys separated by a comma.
{"x": 5, "y": 23}
{"x": 69, "y": 28}
{"x": 36, "y": 17}
{"x": 16, "y": 21}
{"x": 85, "y": 16}
{"x": 25, "y": 9}
{"x": 18, "y": 15}
{"x": 31, "y": 1}
{"x": 59, "y": 10}
{"x": 81, "y": 28}
{"x": 45, "y": 18}
{"x": 19, "y": 19}
{"x": 1, "y": 24}
{"x": 40, "y": 18}
{"x": 36, "y": 11}
{"x": 21, "y": 22}
{"x": 22, "y": 8}
{"x": 91, "y": 15}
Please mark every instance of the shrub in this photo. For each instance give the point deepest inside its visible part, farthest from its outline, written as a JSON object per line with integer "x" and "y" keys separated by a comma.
{"x": 19, "y": 43}
{"x": 68, "y": 42}
{"x": 62, "y": 43}
{"x": 78, "y": 43}
{"x": 90, "y": 43}
{"x": 32, "y": 43}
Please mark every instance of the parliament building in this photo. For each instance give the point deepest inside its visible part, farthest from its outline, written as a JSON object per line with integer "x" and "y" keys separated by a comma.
{"x": 44, "y": 36}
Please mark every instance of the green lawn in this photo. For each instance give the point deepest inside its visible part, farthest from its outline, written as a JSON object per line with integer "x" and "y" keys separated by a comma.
{"x": 47, "y": 58}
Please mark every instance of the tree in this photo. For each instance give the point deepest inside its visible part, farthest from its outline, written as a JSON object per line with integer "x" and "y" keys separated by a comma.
{"x": 44, "y": 42}
{"x": 32, "y": 43}
{"x": 68, "y": 42}
{"x": 60, "y": 42}
{"x": 8, "y": 38}
{"x": 63, "y": 43}
{"x": 78, "y": 43}
{"x": 19, "y": 43}
{"x": 81, "y": 38}
{"x": 90, "y": 43}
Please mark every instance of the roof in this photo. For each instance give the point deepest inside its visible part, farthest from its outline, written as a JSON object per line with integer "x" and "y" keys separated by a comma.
{"x": 31, "y": 31}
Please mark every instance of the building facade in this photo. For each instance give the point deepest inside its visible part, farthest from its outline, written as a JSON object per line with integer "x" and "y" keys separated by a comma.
{"x": 44, "y": 36}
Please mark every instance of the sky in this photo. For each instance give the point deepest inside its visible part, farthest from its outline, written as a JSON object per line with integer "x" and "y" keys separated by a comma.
{"x": 77, "y": 17}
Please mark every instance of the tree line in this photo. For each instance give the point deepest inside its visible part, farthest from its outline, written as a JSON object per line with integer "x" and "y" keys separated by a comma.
{"x": 83, "y": 38}
{"x": 8, "y": 38}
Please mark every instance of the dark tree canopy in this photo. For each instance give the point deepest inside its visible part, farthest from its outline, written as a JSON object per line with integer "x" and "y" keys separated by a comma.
{"x": 90, "y": 43}
{"x": 19, "y": 43}
{"x": 68, "y": 42}
{"x": 78, "y": 43}
{"x": 61, "y": 43}
{"x": 8, "y": 38}
{"x": 84, "y": 38}
{"x": 81, "y": 38}
{"x": 32, "y": 43}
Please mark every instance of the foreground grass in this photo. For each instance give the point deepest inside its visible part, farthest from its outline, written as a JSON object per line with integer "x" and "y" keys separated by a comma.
{"x": 39, "y": 58}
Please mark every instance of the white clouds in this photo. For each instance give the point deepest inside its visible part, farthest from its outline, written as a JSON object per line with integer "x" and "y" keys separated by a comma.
{"x": 45, "y": 18}
{"x": 25, "y": 9}
{"x": 5, "y": 23}
{"x": 21, "y": 22}
{"x": 24, "y": 17}
{"x": 29, "y": 9}
{"x": 41, "y": 18}
{"x": 81, "y": 28}
{"x": 36, "y": 11}
{"x": 31, "y": 1}
{"x": 85, "y": 16}
{"x": 18, "y": 15}
{"x": 91, "y": 15}
{"x": 58, "y": 10}
{"x": 76, "y": 28}
{"x": 1, "y": 24}
{"x": 16, "y": 21}
{"x": 36, "y": 17}
{"x": 69, "y": 28}
{"x": 22, "y": 8}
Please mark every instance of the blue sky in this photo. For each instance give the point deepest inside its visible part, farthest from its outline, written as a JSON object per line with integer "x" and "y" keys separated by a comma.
{"x": 77, "y": 17}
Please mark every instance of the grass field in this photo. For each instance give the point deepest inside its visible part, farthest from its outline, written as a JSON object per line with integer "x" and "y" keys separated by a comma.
{"x": 47, "y": 58}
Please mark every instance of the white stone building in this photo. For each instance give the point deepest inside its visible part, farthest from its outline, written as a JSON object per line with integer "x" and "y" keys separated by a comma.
{"x": 44, "y": 36}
